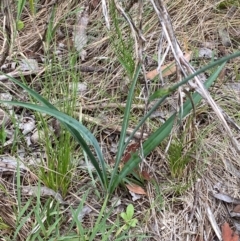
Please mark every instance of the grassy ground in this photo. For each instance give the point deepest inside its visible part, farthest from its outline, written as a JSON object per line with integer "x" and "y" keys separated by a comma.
{"x": 49, "y": 189}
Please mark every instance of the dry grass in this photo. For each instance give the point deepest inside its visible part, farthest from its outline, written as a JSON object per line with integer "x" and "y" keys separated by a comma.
{"x": 164, "y": 214}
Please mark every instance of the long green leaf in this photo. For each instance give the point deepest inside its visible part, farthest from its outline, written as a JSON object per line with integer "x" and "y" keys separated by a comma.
{"x": 154, "y": 140}
{"x": 158, "y": 136}
{"x": 76, "y": 128}
{"x": 197, "y": 97}
{"x": 125, "y": 125}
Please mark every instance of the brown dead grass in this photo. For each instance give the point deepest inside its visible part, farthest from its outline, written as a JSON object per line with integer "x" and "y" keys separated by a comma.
{"x": 169, "y": 208}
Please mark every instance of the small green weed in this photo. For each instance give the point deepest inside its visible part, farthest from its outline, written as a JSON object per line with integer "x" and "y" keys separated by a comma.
{"x": 226, "y": 4}
{"x": 20, "y": 6}
{"x": 128, "y": 217}
{"x": 129, "y": 221}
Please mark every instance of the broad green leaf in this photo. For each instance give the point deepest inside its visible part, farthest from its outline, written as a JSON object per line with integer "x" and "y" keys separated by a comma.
{"x": 133, "y": 222}
{"x": 124, "y": 216}
{"x": 125, "y": 227}
{"x": 130, "y": 211}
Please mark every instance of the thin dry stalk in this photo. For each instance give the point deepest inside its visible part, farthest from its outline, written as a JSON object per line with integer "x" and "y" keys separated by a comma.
{"x": 6, "y": 31}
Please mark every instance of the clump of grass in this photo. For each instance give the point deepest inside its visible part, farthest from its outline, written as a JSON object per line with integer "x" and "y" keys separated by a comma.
{"x": 57, "y": 170}
{"x": 178, "y": 158}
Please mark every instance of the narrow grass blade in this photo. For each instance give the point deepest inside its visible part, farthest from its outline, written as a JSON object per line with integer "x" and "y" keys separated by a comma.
{"x": 123, "y": 47}
{"x": 75, "y": 214}
{"x": 54, "y": 226}
{"x": 20, "y": 6}
{"x": 125, "y": 125}
{"x": 20, "y": 220}
{"x": 158, "y": 136}
{"x": 40, "y": 222}
{"x": 32, "y": 6}
{"x": 24, "y": 220}
{"x": 50, "y": 32}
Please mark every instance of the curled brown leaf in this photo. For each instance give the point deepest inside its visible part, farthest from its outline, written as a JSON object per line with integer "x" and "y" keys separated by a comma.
{"x": 136, "y": 189}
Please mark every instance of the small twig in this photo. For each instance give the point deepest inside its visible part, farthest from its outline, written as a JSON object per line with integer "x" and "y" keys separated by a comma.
{"x": 111, "y": 105}
{"x": 172, "y": 41}
{"x": 105, "y": 14}
{"x": 89, "y": 69}
{"x": 199, "y": 87}
{"x": 213, "y": 223}
{"x": 16, "y": 73}
{"x": 196, "y": 197}
{"x": 137, "y": 35}
{"x": 230, "y": 121}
